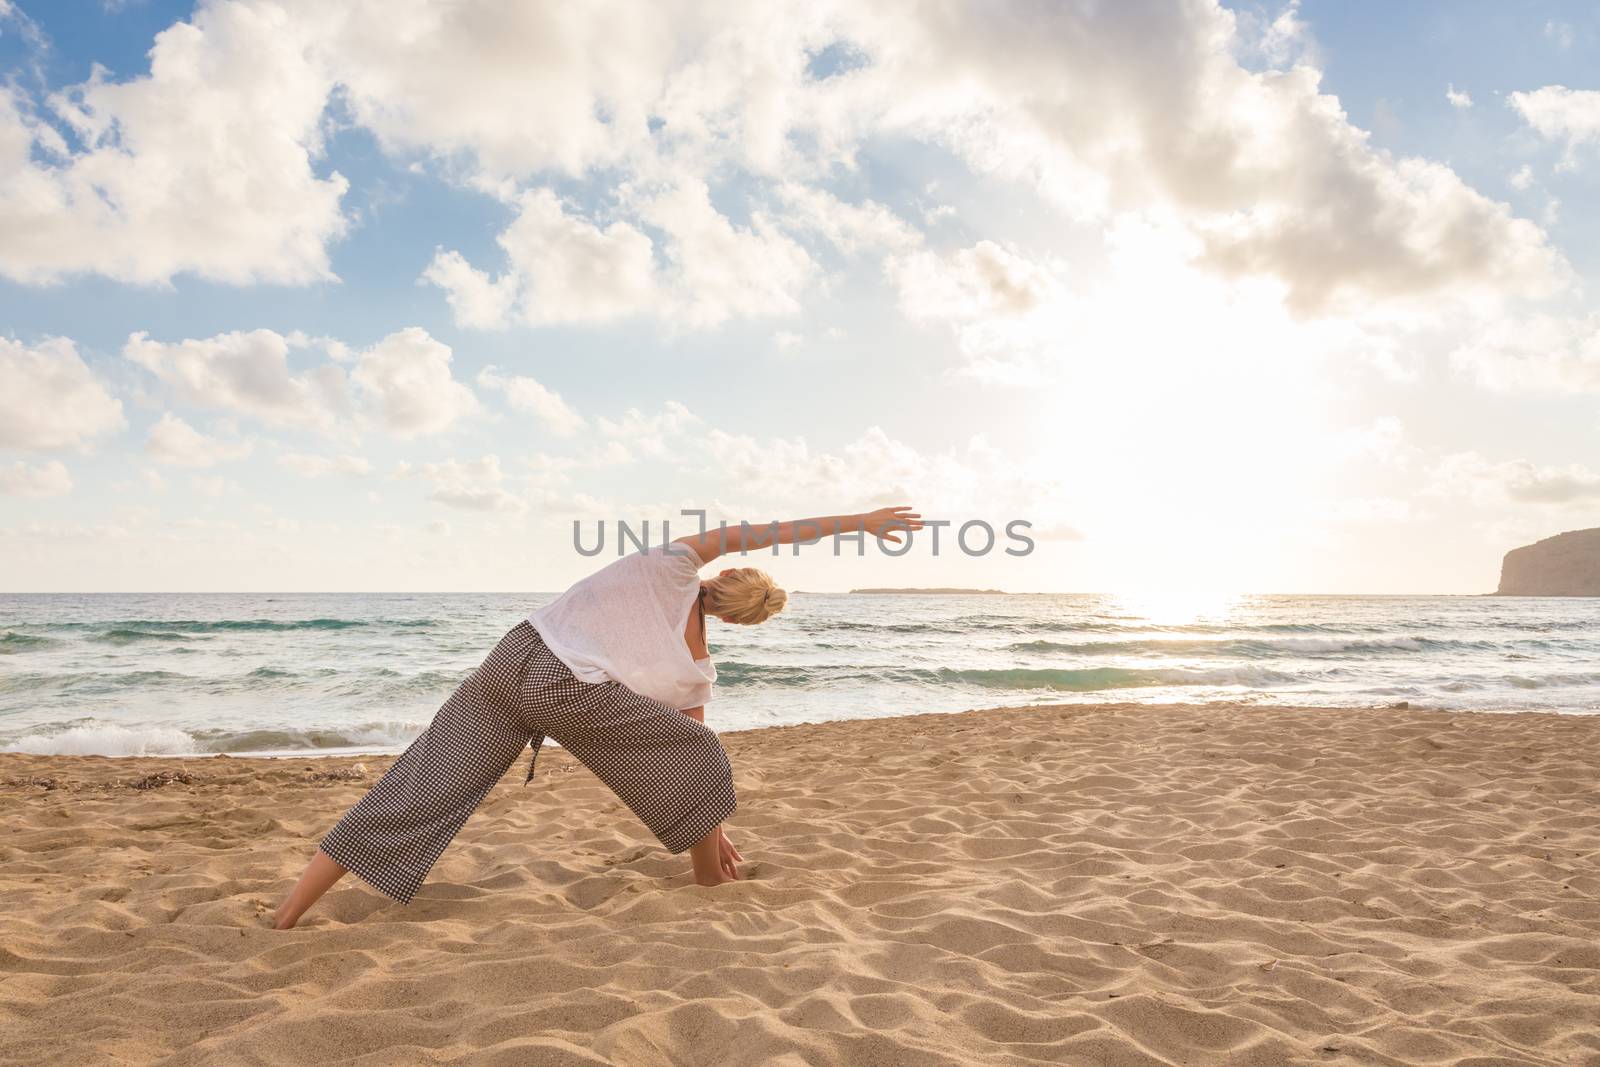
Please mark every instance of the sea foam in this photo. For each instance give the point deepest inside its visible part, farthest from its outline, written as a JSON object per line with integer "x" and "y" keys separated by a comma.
{"x": 107, "y": 739}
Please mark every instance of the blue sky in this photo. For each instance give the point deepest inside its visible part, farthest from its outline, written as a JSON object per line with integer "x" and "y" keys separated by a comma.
{"x": 386, "y": 297}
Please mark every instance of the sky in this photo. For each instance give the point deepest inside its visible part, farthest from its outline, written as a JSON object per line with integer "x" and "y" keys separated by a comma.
{"x": 1283, "y": 297}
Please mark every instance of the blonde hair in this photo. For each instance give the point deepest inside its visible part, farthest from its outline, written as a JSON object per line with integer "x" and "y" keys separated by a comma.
{"x": 746, "y": 596}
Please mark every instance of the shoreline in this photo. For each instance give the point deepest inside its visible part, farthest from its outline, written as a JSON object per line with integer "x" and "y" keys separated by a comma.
{"x": 1122, "y": 883}
{"x": 283, "y": 756}
{"x": 357, "y": 751}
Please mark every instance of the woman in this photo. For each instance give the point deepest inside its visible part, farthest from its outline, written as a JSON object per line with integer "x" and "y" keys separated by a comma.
{"x": 618, "y": 672}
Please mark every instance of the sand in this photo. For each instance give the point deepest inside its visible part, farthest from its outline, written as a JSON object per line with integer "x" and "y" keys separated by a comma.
{"x": 1096, "y": 885}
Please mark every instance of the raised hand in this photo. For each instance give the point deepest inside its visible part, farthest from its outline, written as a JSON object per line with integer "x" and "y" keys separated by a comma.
{"x": 884, "y": 522}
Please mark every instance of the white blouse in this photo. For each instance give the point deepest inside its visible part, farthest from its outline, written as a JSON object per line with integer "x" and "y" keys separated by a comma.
{"x": 625, "y": 623}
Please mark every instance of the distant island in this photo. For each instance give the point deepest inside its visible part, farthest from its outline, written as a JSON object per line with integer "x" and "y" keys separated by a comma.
{"x": 936, "y": 589}
{"x": 1567, "y": 564}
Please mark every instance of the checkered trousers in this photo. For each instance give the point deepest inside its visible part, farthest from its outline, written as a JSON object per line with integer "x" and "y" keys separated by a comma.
{"x": 670, "y": 770}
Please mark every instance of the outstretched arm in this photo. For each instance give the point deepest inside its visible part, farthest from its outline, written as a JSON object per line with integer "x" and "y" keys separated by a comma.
{"x": 743, "y": 537}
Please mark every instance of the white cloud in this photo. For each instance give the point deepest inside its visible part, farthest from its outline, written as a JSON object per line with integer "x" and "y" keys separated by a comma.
{"x": 788, "y": 476}
{"x": 50, "y": 399}
{"x": 609, "y": 454}
{"x": 681, "y": 166}
{"x": 1533, "y": 352}
{"x": 471, "y": 485}
{"x": 1287, "y": 38}
{"x": 1487, "y": 482}
{"x": 478, "y": 498}
{"x": 204, "y": 165}
{"x": 851, "y": 228}
{"x": 246, "y": 372}
{"x": 564, "y": 91}
{"x": 974, "y": 283}
{"x": 1559, "y": 32}
{"x": 513, "y": 91}
{"x": 650, "y": 434}
{"x": 45, "y": 479}
{"x": 564, "y": 268}
{"x": 406, "y": 384}
{"x": 1557, "y": 113}
{"x": 1133, "y": 107}
{"x": 561, "y": 268}
{"x": 1521, "y": 179}
{"x": 530, "y": 397}
{"x": 1106, "y": 109}
{"x": 1279, "y": 185}
{"x": 37, "y": 44}
{"x": 548, "y": 470}
{"x": 174, "y": 441}
{"x": 216, "y": 487}
{"x": 1459, "y": 98}
{"x": 1002, "y": 306}
{"x": 1384, "y": 440}
{"x": 572, "y": 270}
{"x": 402, "y": 384}
{"x": 722, "y": 270}
{"x": 312, "y": 466}
{"x": 477, "y": 301}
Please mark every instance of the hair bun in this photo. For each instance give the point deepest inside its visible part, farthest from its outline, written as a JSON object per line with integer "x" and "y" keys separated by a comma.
{"x": 746, "y": 595}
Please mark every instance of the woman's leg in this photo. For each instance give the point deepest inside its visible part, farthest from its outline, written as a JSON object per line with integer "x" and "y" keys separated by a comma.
{"x": 393, "y": 836}
{"x": 318, "y": 878}
{"x": 670, "y": 770}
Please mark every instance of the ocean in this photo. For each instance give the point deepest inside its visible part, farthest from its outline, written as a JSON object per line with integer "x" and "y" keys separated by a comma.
{"x": 122, "y": 674}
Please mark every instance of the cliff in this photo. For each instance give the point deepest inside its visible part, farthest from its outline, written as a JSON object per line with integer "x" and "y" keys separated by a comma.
{"x": 1564, "y": 565}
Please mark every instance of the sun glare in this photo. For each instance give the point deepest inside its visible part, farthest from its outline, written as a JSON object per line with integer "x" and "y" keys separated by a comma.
{"x": 1176, "y": 607}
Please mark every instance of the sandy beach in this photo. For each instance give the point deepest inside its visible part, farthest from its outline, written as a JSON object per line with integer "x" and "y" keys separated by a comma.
{"x": 1112, "y": 884}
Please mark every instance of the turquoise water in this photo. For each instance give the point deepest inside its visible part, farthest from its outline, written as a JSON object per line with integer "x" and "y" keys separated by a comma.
{"x": 174, "y": 673}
